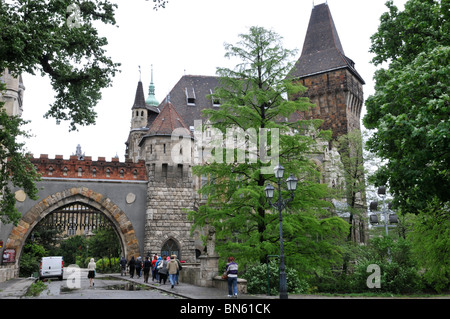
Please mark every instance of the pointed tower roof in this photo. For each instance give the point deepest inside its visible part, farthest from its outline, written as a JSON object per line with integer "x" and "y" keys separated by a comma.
{"x": 139, "y": 99}
{"x": 322, "y": 49}
{"x": 151, "y": 99}
{"x": 167, "y": 121}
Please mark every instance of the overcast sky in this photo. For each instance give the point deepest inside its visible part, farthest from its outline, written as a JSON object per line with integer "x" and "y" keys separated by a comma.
{"x": 186, "y": 37}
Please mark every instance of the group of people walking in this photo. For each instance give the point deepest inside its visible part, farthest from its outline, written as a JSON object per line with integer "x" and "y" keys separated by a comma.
{"x": 161, "y": 268}
{"x": 165, "y": 267}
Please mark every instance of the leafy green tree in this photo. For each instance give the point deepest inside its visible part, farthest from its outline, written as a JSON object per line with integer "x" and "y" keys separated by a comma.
{"x": 350, "y": 148}
{"x": 410, "y": 108}
{"x": 31, "y": 258}
{"x": 430, "y": 239}
{"x": 251, "y": 97}
{"x": 58, "y": 38}
{"x": 105, "y": 243}
{"x": 16, "y": 170}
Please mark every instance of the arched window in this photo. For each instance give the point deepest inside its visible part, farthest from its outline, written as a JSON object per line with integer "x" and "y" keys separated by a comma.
{"x": 170, "y": 247}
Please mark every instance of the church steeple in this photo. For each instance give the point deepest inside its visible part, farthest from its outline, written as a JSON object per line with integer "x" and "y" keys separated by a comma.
{"x": 151, "y": 99}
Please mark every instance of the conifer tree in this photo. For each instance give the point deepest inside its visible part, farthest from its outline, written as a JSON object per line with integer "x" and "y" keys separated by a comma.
{"x": 253, "y": 97}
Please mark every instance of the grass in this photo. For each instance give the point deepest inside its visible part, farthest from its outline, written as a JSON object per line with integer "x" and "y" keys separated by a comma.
{"x": 36, "y": 289}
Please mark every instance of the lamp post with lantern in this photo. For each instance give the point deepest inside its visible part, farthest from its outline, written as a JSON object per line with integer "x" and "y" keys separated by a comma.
{"x": 392, "y": 218}
{"x": 280, "y": 204}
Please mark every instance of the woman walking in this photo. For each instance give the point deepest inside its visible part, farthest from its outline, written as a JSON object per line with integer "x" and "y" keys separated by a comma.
{"x": 91, "y": 272}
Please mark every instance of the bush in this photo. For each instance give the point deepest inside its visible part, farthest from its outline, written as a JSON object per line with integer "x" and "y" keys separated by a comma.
{"x": 107, "y": 265}
{"x": 257, "y": 282}
{"x": 398, "y": 276}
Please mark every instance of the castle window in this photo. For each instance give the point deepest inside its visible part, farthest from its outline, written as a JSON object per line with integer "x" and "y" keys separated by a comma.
{"x": 151, "y": 148}
{"x": 164, "y": 148}
{"x": 94, "y": 172}
{"x": 180, "y": 170}
{"x": 135, "y": 173}
{"x": 80, "y": 172}
{"x": 121, "y": 173}
{"x": 65, "y": 170}
{"x": 108, "y": 172}
{"x": 164, "y": 170}
{"x": 142, "y": 113}
{"x": 50, "y": 171}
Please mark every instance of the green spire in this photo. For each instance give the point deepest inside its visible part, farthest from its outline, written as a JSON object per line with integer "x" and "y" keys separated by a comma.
{"x": 151, "y": 99}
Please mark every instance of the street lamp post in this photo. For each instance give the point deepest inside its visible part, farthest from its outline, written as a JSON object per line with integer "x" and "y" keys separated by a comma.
{"x": 280, "y": 204}
{"x": 392, "y": 218}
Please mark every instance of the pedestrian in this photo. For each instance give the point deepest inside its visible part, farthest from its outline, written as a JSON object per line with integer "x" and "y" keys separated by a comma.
{"x": 138, "y": 266}
{"x": 172, "y": 268}
{"x": 177, "y": 276}
{"x": 231, "y": 270}
{"x": 131, "y": 265}
{"x": 123, "y": 266}
{"x": 155, "y": 268}
{"x": 162, "y": 270}
{"x": 147, "y": 266}
{"x": 91, "y": 272}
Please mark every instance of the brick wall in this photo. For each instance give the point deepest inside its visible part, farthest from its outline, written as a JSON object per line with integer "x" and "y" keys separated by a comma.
{"x": 86, "y": 168}
{"x": 338, "y": 97}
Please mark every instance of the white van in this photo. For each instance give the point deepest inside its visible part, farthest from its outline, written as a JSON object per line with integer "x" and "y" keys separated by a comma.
{"x": 51, "y": 267}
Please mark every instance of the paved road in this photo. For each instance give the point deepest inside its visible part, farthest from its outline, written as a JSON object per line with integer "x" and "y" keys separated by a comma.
{"x": 105, "y": 287}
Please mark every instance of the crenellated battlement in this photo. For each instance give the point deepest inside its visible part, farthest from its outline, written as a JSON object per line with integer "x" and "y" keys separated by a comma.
{"x": 86, "y": 168}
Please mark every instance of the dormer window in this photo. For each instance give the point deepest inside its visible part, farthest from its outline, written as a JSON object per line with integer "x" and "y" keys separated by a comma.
{"x": 190, "y": 96}
{"x": 215, "y": 100}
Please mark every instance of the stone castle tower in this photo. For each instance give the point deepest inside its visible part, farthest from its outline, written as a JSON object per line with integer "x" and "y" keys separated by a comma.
{"x": 13, "y": 97}
{"x": 333, "y": 85}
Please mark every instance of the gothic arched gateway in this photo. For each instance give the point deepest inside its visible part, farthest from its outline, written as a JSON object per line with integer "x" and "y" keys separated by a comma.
{"x": 97, "y": 201}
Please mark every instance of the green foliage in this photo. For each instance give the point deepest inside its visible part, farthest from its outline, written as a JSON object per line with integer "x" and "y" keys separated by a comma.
{"x": 260, "y": 279}
{"x": 401, "y": 275}
{"x": 15, "y": 167}
{"x": 108, "y": 265}
{"x": 246, "y": 227}
{"x": 36, "y": 38}
{"x": 31, "y": 258}
{"x": 430, "y": 240}
{"x": 411, "y": 104}
{"x": 36, "y": 289}
{"x": 72, "y": 247}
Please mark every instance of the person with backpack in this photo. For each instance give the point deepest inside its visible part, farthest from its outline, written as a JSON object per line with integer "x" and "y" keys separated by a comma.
{"x": 162, "y": 270}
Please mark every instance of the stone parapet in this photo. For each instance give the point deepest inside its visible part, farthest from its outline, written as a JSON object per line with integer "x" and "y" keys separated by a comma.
{"x": 86, "y": 168}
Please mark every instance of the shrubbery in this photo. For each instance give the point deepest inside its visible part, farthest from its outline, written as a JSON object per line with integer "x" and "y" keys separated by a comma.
{"x": 258, "y": 283}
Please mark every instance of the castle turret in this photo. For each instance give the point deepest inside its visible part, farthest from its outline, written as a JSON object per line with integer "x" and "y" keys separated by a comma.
{"x": 142, "y": 115}
{"x": 167, "y": 145}
{"x": 333, "y": 83}
{"x": 13, "y": 95}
